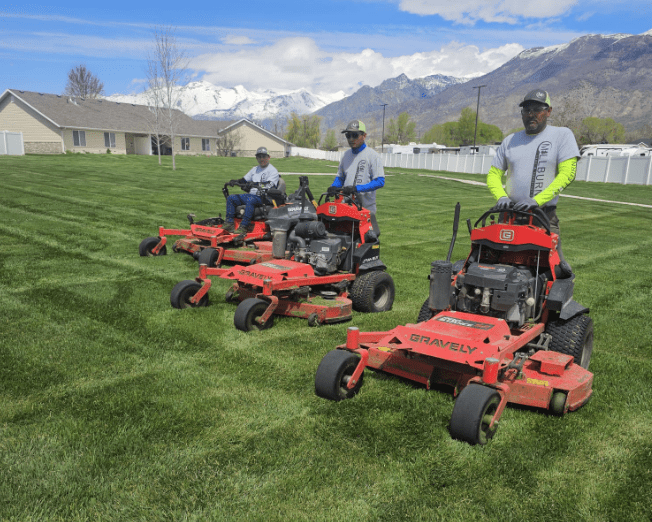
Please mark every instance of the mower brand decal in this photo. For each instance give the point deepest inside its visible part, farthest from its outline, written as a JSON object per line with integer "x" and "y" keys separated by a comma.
{"x": 205, "y": 230}
{"x": 272, "y": 265}
{"x": 332, "y": 209}
{"x": 455, "y": 347}
{"x": 252, "y": 274}
{"x": 537, "y": 382}
{"x": 468, "y": 324}
{"x": 507, "y": 235}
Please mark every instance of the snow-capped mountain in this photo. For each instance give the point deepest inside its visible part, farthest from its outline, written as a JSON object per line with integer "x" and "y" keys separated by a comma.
{"x": 203, "y": 100}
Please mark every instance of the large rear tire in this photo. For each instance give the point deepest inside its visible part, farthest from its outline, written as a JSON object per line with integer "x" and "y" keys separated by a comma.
{"x": 474, "y": 408}
{"x": 425, "y": 314}
{"x": 248, "y": 311}
{"x": 573, "y": 337}
{"x": 147, "y": 244}
{"x": 333, "y": 374}
{"x": 183, "y": 291}
{"x": 373, "y": 292}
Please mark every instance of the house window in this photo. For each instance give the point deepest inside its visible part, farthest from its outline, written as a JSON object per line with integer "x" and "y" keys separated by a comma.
{"x": 205, "y": 144}
{"x": 185, "y": 143}
{"x": 79, "y": 138}
{"x": 109, "y": 139}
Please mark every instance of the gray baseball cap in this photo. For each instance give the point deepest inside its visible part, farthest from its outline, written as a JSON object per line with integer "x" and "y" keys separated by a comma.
{"x": 262, "y": 150}
{"x": 355, "y": 126}
{"x": 537, "y": 95}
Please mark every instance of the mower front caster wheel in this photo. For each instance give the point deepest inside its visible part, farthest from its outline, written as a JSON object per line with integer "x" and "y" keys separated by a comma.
{"x": 313, "y": 320}
{"x": 208, "y": 257}
{"x": 183, "y": 292}
{"x": 248, "y": 311}
{"x": 474, "y": 408}
{"x": 146, "y": 246}
{"x": 333, "y": 375}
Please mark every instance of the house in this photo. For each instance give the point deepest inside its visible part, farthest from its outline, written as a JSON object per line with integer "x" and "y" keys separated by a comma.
{"x": 54, "y": 124}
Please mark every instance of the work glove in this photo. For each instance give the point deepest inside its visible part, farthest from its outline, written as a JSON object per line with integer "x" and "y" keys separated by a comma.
{"x": 503, "y": 203}
{"x": 233, "y": 183}
{"x": 526, "y": 204}
{"x": 332, "y": 190}
{"x": 349, "y": 189}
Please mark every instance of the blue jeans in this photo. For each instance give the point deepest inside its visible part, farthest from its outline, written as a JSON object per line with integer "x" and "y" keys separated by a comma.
{"x": 249, "y": 200}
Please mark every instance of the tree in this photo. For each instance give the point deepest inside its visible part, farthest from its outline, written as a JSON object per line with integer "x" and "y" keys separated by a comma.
{"x": 83, "y": 84}
{"x": 401, "y": 131}
{"x": 461, "y": 132}
{"x": 228, "y": 142}
{"x": 330, "y": 142}
{"x": 166, "y": 69}
{"x": 304, "y": 131}
{"x": 601, "y": 130}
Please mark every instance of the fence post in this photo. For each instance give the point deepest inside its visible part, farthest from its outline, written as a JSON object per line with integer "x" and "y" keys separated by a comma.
{"x": 627, "y": 170}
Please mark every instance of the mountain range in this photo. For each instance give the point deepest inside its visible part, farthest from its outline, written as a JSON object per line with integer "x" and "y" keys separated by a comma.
{"x": 204, "y": 101}
{"x": 607, "y": 76}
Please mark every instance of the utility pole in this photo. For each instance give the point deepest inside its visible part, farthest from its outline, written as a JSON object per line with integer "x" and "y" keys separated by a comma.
{"x": 382, "y": 142}
{"x": 477, "y": 111}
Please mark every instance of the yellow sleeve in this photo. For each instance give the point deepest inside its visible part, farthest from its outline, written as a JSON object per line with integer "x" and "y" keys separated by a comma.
{"x": 495, "y": 183}
{"x": 565, "y": 176}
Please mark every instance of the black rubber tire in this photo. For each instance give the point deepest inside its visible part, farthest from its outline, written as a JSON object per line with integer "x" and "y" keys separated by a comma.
{"x": 146, "y": 245}
{"x": 425, "y": 314}
{"x": 183, "y": 292}
{"x": 373, "y": 292}
{"x": 333, "y": 373}
{"x": 313, "y": 320}
{"x": 573, "y": 337}
{"x": 228, "y": 297}
{"x": 247, "y": 312}
{"x": 473, "y": 410}
{"x": 208, "y": 257}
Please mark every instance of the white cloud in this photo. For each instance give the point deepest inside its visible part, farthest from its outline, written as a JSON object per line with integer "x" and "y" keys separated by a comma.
{"x": 294, "y": 63}
{"x": 232, "y": 39}
{"x": 500, "y": 11}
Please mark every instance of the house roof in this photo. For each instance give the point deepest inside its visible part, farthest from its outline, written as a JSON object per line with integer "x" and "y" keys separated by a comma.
{"x": 98, "y": 114}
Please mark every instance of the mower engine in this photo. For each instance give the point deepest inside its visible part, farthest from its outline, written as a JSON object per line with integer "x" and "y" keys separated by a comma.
{"x": 316, "y": 247}
{"x": 503, "y": 291}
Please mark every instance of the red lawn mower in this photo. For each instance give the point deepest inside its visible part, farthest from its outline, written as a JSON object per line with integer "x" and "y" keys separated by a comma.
{"x": 208, "y": 233}
{"x": 322, "y": 270}
{"x": 499, "y": 327}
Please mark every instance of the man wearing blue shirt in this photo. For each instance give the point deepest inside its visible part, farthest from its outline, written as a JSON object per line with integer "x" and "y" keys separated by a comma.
{"x": 361, "y": 169}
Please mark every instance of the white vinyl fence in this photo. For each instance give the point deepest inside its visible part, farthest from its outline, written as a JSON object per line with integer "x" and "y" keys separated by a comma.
{"x": 467, "y": 163}
{"x": 628, "y": 170}
{"x": 11, "y": 143}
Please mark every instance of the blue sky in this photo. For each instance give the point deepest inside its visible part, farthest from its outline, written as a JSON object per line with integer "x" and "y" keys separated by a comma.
{"x": 323, "y": 46}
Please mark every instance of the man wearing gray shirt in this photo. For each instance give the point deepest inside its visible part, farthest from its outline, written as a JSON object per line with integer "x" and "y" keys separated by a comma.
{"x": 540, "y": 162}
{"x": 361, "y": 169}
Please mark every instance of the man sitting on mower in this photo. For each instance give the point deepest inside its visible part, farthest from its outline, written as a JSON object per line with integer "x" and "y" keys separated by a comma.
{"x": 264, "y": 175}
{"x": 360, "y": 170}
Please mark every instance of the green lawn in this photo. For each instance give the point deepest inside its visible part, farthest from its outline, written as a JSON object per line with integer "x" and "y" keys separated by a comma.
{"x": 115, "y": 406}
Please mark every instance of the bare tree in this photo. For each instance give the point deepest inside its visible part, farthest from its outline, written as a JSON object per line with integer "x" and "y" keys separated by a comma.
{"x": 83, "y": 83}
{"x": 166, "y": 70}
{"x": 228, "y": 142}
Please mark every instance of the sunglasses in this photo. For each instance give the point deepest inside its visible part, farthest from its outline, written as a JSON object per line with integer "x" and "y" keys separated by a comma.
{"x": 262, "y": 155}
{"x": 533, "y": 110}
{"x": 354, "y": 135}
